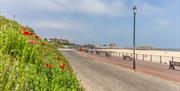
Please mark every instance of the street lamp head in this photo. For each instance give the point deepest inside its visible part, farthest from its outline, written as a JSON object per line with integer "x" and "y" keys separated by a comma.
{"x": 134, "y": 9}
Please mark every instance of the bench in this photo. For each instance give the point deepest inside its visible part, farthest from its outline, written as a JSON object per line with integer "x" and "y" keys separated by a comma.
{"x": 126, "y": 58}
{"x": 107, "y": 54}
{"x": 97, "y": 52}
{"x": 91, "y": 51}
{"x": 172, "y": 64}
{"x": 87, "y": 51}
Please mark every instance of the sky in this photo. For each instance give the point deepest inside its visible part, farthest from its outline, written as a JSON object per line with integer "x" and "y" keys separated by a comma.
{"x": 100, "y": 21}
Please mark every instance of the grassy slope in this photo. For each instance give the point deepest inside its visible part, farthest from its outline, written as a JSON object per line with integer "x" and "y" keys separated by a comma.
{"x": 26, "y": 66}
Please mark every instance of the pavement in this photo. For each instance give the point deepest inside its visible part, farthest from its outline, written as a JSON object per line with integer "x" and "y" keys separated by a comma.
{"x": 159, "y": 70}
{"x": 100, "y": 74}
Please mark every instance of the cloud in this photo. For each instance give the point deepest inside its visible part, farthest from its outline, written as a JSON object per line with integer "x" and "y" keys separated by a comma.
{"x": 38, "y": 5}
{"x": 43, "y": 24}
{"x": 87, "y": 7}
{"x": 99, "y": 7}
{"x": 92, "y": 7}
{"x": 147, "y": 9}
{"x": 61, "y": 24}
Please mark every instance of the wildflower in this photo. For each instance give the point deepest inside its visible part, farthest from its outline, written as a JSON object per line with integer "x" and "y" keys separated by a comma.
{"x": 50, "y": 66}
{"x": 26, "y": 33}
{"x": 32, "y": 42}
{"x": 37, "y": 37}
{"x": 62, "y": 66}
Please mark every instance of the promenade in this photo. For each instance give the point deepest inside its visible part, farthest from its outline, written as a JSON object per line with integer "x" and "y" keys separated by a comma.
{"x": 100, "y": 73}
{"x": 154, "y": 69}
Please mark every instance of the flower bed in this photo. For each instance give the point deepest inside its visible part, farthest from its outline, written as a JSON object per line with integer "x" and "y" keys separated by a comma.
{"x": 30, "y": 63}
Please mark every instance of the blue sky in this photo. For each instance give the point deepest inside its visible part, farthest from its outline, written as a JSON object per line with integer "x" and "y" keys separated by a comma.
{"x": 100, "y": 21}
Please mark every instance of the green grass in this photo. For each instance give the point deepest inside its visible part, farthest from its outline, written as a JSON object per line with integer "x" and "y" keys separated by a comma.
{"x": 25, "y": 66}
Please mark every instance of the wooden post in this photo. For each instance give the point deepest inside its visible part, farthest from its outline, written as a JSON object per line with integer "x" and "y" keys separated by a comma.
{"x": 136, "y": 56}
{"x": 172, "y": 58}
{"x": 160, "y": 59}
{"x": 150, "y": 58}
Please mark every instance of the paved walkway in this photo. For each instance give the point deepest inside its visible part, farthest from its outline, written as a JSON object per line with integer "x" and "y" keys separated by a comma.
{"x": 98, "y": 75}
{"x": 155, "y": 69}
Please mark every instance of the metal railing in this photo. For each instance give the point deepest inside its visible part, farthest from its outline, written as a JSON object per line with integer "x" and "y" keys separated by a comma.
{"x": 144, "y": 57}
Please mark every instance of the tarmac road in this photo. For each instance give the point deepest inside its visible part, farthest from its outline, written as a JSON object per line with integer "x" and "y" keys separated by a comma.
{"x": 100, "y": 76}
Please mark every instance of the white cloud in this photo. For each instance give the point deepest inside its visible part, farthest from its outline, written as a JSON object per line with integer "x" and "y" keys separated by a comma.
{"x": 52, "y": 24}
{"x": 88, "y": 7}
{"x": 22, "y": 5}
{"x": 60, "y": 24}
{"x": 92, "y": 7}
{"x": 99, "y": 7}
{"x": 147, "y": 9}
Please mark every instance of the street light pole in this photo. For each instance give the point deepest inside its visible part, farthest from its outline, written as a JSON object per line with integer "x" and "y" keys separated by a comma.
{"x": 14, "y": 17}
{"x": 0, "y": 7}
{"x": 134, "y": 37}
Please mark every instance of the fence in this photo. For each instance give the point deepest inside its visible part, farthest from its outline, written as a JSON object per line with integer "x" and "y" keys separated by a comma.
{"x": 148, "y": 58}
{"x": 145, "y": 57}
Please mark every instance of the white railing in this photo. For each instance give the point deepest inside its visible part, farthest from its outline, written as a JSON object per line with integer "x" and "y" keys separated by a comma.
{"x": 145, "y": 55}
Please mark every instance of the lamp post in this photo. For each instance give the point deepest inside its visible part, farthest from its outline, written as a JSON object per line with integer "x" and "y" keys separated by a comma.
{"x": 14, "y": 17}
{"x": 0, "y": 7}
{"x": 134, "y": 37}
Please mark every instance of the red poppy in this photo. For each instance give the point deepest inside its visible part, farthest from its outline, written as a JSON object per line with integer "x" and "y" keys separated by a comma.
{"x": 62, "y": 66}
{"x": 32, "y": 42}
{"x": 37, "y": 37}
{"x": 26, "y": 33}
{"x": 50, "y": 66}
